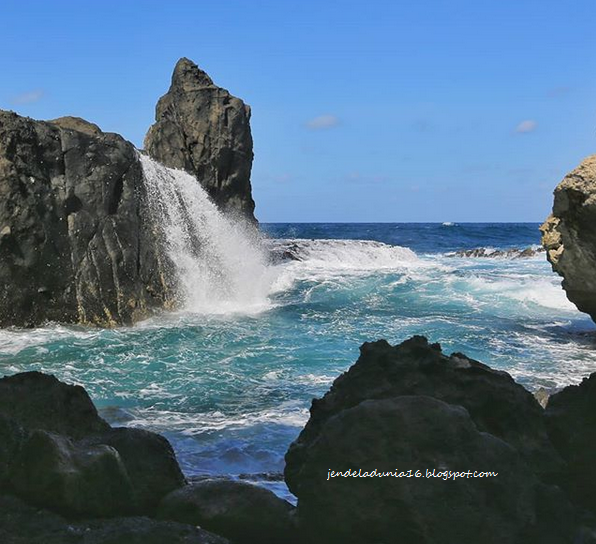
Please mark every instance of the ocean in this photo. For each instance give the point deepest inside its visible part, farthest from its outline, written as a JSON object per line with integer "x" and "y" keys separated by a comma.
{"x": 229, "y": 379}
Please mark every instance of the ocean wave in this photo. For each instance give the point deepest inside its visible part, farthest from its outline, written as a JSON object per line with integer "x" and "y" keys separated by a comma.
{"x": 494, "y": 253}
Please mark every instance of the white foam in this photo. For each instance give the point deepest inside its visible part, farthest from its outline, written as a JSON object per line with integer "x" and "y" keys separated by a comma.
{"x": 221, "y": 264}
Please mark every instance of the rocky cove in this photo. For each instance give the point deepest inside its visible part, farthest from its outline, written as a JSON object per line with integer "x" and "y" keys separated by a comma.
{"x": 81, "y": 242}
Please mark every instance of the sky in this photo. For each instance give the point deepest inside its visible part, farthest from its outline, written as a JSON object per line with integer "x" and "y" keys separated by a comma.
{"x": 362, "y": 111}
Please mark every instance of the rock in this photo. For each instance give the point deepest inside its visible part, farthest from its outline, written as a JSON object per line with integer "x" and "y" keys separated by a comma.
{"x": 420, "y": 433}
{"x": 496, "y": 404}
{"x": 149, "y": 460}
{"x": 40, "y": 401}
{"x": 513, "y": 253}
{"x": 542, "y": 396}
{"x": 56, "y": 452}
{"x": 77, "y": 244}
{"x": 244, "y": 513}
{"x": 203, "y": 129}
{"x": 571, "y": 423}
{"x": 569, "y": 236}
{"x": 23, "y": 524}
{"x": 53, "y": 472}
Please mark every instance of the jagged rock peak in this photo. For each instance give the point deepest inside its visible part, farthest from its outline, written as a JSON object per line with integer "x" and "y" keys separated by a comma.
{"x": 188, "y": 75}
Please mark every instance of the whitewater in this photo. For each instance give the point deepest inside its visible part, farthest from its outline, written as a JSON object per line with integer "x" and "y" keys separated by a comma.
{"x": 268, "y": 317}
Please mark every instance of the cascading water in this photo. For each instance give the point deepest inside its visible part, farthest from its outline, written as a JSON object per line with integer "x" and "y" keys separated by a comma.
{"x": 221, "y": 264}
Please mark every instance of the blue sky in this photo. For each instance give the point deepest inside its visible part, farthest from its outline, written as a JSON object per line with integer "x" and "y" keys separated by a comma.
{"x": 460, "y": 110}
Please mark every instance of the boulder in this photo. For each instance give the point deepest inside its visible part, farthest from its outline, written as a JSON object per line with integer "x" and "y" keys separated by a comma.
{"x": 570, "y": 238}
{"x": 76, "y": 242}
{"x": 203, "y": 129}
{"x": 496, "y": 403}
{"x": 571, "y": 423}
{"x": 394, "y": 436}
{"x": 149, "y": 460}
{"x": 23, "y": 524}
{"x": 57, "y": 453}
{"x": 53, "y": 472}
{"x": 41, "y": 401}
{"x": 242, "y": 512}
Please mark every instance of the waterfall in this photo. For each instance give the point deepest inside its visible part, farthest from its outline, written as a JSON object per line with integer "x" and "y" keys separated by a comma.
{"x": 221, "y": 264}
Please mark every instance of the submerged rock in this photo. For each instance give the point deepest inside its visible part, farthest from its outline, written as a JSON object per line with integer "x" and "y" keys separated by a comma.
{"x": 203, "y": 129}
{"x": 242, "y": 512}
{"x": 570, "y": 238}
{"x": 409, "y": 408}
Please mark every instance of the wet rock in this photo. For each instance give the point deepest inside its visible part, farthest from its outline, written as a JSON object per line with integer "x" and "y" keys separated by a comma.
{"x": 571, "y": 422}
{"x": 203, "y": 129}
{"x": 569, "y": 236}
{"x": 244, "y": 513}
{"x": 76, "y": 243}
{"x": 491, "y": 253}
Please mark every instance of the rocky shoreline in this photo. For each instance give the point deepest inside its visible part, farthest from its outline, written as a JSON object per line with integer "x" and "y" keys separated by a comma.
{"x": 67, "y": 476}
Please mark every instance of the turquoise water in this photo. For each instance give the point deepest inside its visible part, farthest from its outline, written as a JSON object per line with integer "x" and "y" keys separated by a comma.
{"x": 232, "y": 389}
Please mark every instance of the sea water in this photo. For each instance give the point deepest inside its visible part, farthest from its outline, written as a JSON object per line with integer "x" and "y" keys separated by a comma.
{"x": 269, "y": 319}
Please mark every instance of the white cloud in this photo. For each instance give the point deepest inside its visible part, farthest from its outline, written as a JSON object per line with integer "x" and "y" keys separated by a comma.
{"x": 28, "y": 97}
{"x": 526, "y": 126}
{"x": 322, "y": 122}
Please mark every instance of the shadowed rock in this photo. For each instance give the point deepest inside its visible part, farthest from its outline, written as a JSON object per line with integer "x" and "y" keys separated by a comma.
{"x": 203, "y": 129}
{"x": 242, "y": 512}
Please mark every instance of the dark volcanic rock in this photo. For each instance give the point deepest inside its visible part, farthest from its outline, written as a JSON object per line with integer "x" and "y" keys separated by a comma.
{"x": 149, "y": 460}
{"x": 489, "y": 253}
{"x": 203, "y": 129}
{"x": 570, "y": 238}
{"x": 40, "y": 401}
{"x": 410, "y": 407}
{"x": 495, "y": 402}
{"x": 23, "y": 524}
{"x": 57, "y": 453}
{"x": 244, "y": 513}
{"x": 53, "y": 472}
{"x": 75, "y": 242}
{"x": 571, "y": 423}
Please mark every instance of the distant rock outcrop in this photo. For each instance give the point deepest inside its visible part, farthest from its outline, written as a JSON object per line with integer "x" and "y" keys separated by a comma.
{"x": 569, "y": 235}
{"x": 203, "y": 129}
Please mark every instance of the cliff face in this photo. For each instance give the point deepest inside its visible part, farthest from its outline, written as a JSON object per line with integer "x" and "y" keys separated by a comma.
{"x": 570, "y": 238}
{"x": 203, "y": 129}
{"x": 75, "y": 243}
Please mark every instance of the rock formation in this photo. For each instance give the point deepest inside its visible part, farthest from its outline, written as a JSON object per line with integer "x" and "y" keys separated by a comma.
{"x": 66, "y": 476}
{"x": 410, "y": 407}
{"x": 570, "y": 238}
{"x": 77, "y": 243}
{"x": 203, "y": 129}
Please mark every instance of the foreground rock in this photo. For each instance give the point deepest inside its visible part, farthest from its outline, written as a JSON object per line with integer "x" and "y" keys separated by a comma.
{"x": 244, "y": 513}
{"x": 23, "y": 524}
{"x": 571, "y": 419}
{"x": 570, "y": 238}
{"x": 410, "y": 407}
{"x": 203, "y": 129}
{"x": 57, "y": 453}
